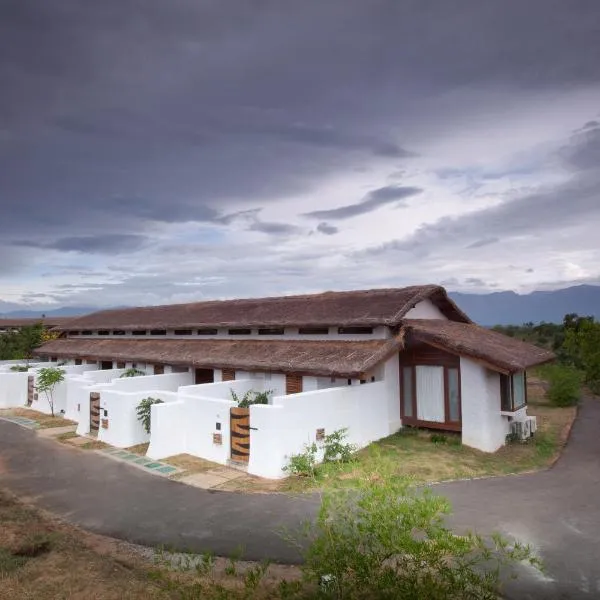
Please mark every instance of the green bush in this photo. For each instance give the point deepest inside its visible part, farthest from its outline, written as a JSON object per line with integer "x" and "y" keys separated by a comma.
{"x": 389, "y": 540}
{"x": 438, "y": 438}
{"x": 336, "y": 449}
{"x": 565, "y": 384}
{"x": 144, "y": 409}
{"x": 131, "y": 372}
{"x": 19, "y": 368}
{"x": 303, "y": 464}
{"x": 251, "y": 397}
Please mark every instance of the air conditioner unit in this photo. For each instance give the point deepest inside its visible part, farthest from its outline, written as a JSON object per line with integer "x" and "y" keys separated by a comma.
{"x": 532, "y": 424}
{"x": 522, "y": 429}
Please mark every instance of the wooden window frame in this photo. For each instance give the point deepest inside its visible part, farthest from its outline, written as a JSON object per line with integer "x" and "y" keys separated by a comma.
{"x": 313, "y": 331}
{"x": 355, "y": 330}
{"x": 208, "y": 331}
{"x": 507, "y": 383}
{"x": 227, "y": 374}
{"x": 239, "y": 331}
{"x": 271, "y": 331}
{"x": 412, "y": 362}
{"x": 294, "y": 383}
{"x": 158, "y": 332}
{"x": 139, "y": 332}
{"x": 183, "y": 331}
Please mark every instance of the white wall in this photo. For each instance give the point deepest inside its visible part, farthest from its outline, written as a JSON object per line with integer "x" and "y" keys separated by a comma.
{"x": 118, "y": 410}
{"x": 292, "y": 421}
{"x": 78, "y": 396}
{"x": 168, "y": 435}
{"x": 483, "y": 427}
{"x": 60, "y": 392}
{"x": 13, "y": 389}
{"x": 81, "y": 395}
{"x": 425, "y": 309}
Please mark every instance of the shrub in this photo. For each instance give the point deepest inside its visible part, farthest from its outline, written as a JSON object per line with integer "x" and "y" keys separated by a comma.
{"x": 251, "y": 397}
{"x": 144, "y": 409}
{"x": 131, "y": 372}
{"x": 565, "y": 384}
{"x": 19, "y": 368}
{"x": 438, "y": 438}
{"x": 335, "y": 448}
{"x": 303, "y": 464}
{"x": 387, "y": 539}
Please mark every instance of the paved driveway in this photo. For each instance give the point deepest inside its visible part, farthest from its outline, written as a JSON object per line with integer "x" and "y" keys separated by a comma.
{"x": 558, "y": 511}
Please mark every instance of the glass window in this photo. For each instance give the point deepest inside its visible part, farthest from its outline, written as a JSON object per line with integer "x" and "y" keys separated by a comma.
{"x": 407, "y": 391}
{"x": 453, "y": 395}
{"x": 518, "y": 390}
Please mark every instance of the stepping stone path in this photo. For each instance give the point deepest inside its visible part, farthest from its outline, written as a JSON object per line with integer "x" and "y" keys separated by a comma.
{"x": 22, "y": 421}
{"x": 154, "y": 466}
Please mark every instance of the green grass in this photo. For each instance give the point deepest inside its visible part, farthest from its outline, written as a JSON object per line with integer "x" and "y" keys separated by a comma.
{"x": 428, "y": 456}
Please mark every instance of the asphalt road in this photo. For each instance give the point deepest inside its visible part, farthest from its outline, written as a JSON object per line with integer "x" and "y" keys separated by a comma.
{"x": 557, "y": 511}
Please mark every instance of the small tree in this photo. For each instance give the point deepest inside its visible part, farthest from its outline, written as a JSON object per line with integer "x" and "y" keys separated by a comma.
{"x": 144, "y": 411}
{"x": 47, "y": 380}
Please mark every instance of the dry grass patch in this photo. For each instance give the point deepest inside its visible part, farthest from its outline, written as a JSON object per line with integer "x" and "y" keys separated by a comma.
{"x": 189, "y": 464}
{"x": 140, "y": 449}
{"x": 45, "y": 421}
{"x": 42, "y": 558}
{"x": 95, "y": 445}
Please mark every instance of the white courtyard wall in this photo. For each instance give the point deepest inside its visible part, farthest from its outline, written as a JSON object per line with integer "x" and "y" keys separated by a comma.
{"x": 13, "y": 389}
{"x": 118, "y": 411}
{"x": 284, "y": 428}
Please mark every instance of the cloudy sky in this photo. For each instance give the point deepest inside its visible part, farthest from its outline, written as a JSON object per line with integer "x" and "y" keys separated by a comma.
{"x": 156, "y": 151}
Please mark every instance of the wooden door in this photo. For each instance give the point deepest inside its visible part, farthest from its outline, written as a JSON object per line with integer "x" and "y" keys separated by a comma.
{"x": 293, "y": 383}
{"x": 159, "y": 369}
{"x": 106, "y": 365}
{"x": 94, "y": 411}
{"x": 240, "y": 434}
{"x": 204, "y": 376}
{"x": 228, "y": 375}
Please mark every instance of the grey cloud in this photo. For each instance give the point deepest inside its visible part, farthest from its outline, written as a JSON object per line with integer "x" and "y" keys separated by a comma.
{"x": 327, "y": 229}
{"x": 583, "y": 151}
{"x": 483, "y": 242}
{"x": 273, "y": 228}
{"x": 98, "y": 244}
{"x": 475, "y": 281}
{"x": 372, "y": 201}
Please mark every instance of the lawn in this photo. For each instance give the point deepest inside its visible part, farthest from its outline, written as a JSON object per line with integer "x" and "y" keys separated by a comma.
{"x": 43, "y": 558}
{"x": 430, "y": 457}
{"x": 45, "y": 421}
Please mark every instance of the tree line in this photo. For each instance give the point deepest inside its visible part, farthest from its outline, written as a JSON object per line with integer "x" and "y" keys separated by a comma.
{"x": 575, "y": 341}
{"x": 20, "y": 344}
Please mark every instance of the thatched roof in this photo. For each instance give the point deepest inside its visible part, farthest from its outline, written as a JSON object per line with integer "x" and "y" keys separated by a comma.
{"x": 496, "y": 350}
{"x": 323, "y": 358}
{"x": 49, "y": 322}
{"x": 355, "y": 308}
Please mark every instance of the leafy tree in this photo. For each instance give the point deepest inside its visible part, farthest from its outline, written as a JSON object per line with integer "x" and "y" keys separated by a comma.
{"x": 21, "y": 344}
{"x": 582, "y": 344}
{"x": 47, "y": 380}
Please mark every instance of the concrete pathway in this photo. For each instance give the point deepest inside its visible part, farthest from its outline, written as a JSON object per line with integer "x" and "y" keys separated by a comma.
{"x": 558, "y": 511}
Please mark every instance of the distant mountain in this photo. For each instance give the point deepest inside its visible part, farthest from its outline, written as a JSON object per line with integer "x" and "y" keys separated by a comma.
{"x": 509, "y": 308}
{"x": 65, "y": 311}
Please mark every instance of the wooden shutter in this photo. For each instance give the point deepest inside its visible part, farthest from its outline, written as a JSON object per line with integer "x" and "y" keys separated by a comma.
{"x": 293, "y": 384}
{"x": 228, "y": 375}
{"x": 159, "y": 369}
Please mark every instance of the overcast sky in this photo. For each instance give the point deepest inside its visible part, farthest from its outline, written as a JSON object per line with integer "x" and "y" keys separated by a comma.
{"x": 159, "y": 151}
